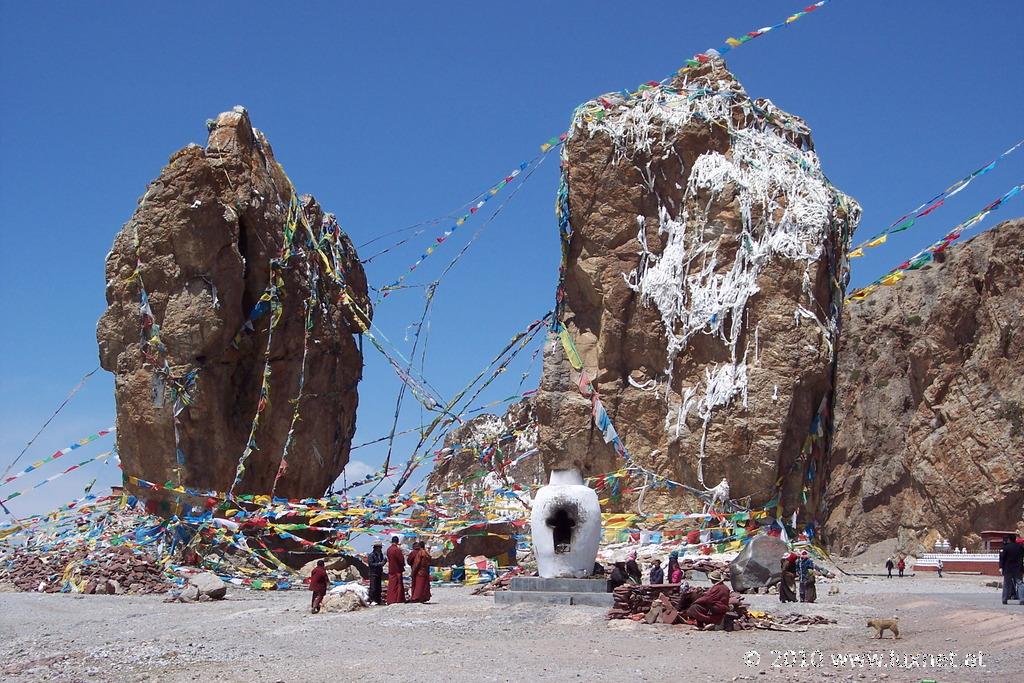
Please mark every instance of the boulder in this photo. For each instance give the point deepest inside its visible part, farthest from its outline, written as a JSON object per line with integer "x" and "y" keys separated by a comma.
{"x": 487, "y": 539}
{"x": 209, "y": 584}
{"x": 339, "y": 568}
{"x": 331, "y": 564}
{"x": 348, "y": 601}
{"x": 348, "y": 573}
{"x": 757, "y": 564}
{"x": 929, "y": 426}
{"x": 210, "y": 286}
{"x": 702, "y": 278}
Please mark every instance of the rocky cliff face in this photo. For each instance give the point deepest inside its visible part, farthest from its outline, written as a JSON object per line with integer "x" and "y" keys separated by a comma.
{"x": 929, "y": 433}
{"x": 231, "y": 308}
{"x": 490, "y": 451}
{"x": 702, "y": 274}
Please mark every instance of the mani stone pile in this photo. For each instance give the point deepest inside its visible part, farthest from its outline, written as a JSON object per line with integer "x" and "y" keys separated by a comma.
{"x": 115, "y": 569}
{"x": 666, "y": 604}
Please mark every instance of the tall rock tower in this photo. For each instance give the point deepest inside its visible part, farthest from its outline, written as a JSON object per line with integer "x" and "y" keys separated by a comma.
{"x": 701, "y": 288}
{"x": 231, "y": 308}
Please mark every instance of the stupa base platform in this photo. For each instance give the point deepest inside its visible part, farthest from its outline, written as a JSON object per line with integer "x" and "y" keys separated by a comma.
{"x": 540, "y": 591}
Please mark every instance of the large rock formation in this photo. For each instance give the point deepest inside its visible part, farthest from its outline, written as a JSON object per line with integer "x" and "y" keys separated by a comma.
{"x": 229, "y": 335}
{"x": 701, "y": 286}
{"x": 929, "y": 433}
{"x": 490, "y": 451}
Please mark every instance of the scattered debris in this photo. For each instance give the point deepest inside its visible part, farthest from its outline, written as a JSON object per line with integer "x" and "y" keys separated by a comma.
{"x": 801, "y": 619}
{"x": 500, "y": 584}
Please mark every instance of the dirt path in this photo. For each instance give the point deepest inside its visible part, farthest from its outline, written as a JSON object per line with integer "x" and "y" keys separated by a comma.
{"x": 256, "y": 637}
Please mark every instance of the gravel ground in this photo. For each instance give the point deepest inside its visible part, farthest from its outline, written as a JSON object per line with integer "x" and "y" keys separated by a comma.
{"x": 256, "y": 637}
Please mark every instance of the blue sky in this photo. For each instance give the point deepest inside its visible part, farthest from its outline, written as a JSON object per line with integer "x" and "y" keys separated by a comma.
{"x": 397, "y": 114}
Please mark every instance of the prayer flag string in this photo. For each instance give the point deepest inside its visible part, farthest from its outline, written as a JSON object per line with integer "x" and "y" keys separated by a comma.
{"x": 925, "y": 256}
{"x": 908, "y": 219}
{"x": 101, "y": 456}
{"x": 732, "y": 43}
{"x": 62, "y": 452}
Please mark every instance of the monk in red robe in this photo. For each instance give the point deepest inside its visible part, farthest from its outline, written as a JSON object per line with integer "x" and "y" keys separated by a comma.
{"x": 318, "y": 584}
{"x": 396, "y": 567}
{"x": 419, "y": 562}
{"x": 709, "y": 609}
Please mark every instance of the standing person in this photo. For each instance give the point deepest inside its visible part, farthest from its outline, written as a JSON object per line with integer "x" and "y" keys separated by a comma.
{"x": 787, "y": 586}
{"x": 375, "y": 561}
{"x": 901, "y": 565}
{"x": 318, "y": 584}
{"x": 633, "y": 569}
{"x": 419, "y": 565}
{"x": 1011, "y": 564}
{"x": 657, "y": 574}
{"x": 889, "y": 566}
{"x": 806, "y": 571}
{"x": 675, "y": 572}
{"x": 396, "y": 567}
{"x": 709, "y": 609}
{"x": 938, "y": 567}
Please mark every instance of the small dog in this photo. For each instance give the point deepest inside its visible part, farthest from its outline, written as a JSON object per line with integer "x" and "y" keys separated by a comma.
{"x": 880, "y": 625}
{"x": 833, "y": 589}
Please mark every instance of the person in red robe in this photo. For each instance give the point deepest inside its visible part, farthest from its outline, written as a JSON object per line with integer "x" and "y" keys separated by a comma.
{"x": 396, "y": 567}
{"x": 419, "y": 562}
{"x": 709, "y": 609}
{"x": 318, "y": 584}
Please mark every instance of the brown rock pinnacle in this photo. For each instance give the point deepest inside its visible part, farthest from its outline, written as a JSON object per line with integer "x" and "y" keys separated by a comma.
{"x": 701, "y": 286}
{"x": 221, "y": 251}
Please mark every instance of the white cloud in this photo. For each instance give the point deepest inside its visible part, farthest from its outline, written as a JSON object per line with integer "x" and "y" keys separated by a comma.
{"x": 357, "y": 469}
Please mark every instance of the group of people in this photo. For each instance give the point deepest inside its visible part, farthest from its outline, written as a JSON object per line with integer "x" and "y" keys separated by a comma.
{"x": 798, "y": 574}
{"x": 707, "y": 611}
{"x": 377, "y": 560}
{"x": 901, "y": 564}
{"x": 629, "y": 572}
{"x": 419, "y": 569}
{"x": 797, "y": 580}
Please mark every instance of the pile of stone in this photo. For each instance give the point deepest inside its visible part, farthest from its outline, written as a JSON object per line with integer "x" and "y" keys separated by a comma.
{"x": 703, "y": 564}
{"x": 667, "y": 604}
{"x": 630, "y": 599}
{"x": 115, "y": 569}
